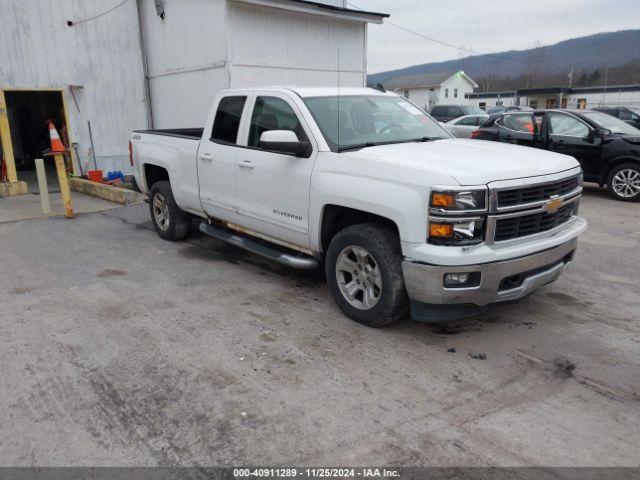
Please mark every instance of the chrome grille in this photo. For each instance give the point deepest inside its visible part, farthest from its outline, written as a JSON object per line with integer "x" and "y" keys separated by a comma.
{"x": 529, "y": 224}
{"x": 537, "y": 193}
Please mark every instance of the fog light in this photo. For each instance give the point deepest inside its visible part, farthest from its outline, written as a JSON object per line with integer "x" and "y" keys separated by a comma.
{"x": 462, "y": 279}
{"x": 456, "y": 278}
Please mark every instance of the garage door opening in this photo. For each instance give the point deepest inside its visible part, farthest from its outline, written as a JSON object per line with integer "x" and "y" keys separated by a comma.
{"x": 28, "y": 113}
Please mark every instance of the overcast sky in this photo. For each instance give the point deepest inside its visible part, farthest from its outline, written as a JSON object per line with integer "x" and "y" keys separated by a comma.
{"x": 485, "y": 26}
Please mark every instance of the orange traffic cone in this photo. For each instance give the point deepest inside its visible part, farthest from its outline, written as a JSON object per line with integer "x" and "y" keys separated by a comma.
{"x": 56, "y": 143}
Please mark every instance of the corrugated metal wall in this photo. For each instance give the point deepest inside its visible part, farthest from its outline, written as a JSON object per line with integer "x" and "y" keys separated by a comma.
{"x": 186, "y": 57}
{"x": 200, "y": 47}
{"x": 38, "y": 50}
{"x": 276, "y": 47}
{"x": 203, "y": 46}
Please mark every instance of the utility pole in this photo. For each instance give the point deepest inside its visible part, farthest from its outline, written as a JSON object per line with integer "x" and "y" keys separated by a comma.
{"x": 571, "y": 77}
{"x": 606, "y": 78}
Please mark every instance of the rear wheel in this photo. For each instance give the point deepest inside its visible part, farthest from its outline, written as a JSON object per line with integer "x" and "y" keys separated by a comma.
{"x": 170, "y": 222}
{"x": 364, "y": 273}
{"x": 623, "y": 182}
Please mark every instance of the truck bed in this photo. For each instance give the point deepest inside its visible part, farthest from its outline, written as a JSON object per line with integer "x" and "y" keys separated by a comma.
{"x": 191, "y": 133}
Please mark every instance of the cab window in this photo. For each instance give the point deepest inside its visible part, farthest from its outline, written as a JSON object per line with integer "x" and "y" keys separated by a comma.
{"x": 566, "y": 125}
{"x": 227, "y": 120}
{"x": 272, "y": 113}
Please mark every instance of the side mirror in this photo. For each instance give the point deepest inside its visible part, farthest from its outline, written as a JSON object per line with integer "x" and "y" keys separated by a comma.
{"x": 284, "y": 141}
{"x": 601, "y": 132}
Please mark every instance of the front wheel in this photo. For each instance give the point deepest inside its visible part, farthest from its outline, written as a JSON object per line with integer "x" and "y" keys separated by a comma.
{"x": 364, "y": 272}
{"x": 623, "y": 182}
{"x": 170, "y": 222}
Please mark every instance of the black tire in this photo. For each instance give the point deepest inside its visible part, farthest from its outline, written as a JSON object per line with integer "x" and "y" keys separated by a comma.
{"x": 632, "y": 166}
{"x": 383, "y": 245}
{"x": 178, "y": 224}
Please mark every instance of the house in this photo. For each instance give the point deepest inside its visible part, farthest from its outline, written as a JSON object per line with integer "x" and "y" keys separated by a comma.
{"x": 429, "y": 89}
{"x": 561, "y": 97}
{"x": 155, "y": 63}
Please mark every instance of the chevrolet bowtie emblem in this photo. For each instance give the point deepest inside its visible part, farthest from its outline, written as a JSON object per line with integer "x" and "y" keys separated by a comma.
{"x": 553, "y": 205}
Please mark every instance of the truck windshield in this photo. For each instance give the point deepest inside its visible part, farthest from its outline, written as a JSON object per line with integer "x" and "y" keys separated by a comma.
{"x": 352, "y": 122}
{"x": 612, "y": 123}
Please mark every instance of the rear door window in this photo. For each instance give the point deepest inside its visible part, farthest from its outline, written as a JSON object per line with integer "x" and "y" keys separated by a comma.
{"x": 522, "y": 122}
{"x": 227, "y": 121}
{"x": 454, "y": 112}
{"x": 439, "y": 111}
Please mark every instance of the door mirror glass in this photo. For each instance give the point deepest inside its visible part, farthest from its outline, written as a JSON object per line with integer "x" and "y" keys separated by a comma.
{"x": 283, "y": 141}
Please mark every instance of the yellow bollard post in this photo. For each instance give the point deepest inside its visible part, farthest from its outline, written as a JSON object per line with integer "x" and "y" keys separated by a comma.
{"x": 42, "y": 186}
{"x": 64, "y": 185}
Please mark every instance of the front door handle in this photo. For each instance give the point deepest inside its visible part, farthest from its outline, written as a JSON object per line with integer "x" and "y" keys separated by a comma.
{"x": 207, "y": 157}
{"x": 248, "y": 164}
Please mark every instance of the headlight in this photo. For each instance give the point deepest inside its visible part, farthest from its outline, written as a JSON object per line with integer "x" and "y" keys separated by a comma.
{"x": 460, "y": 200}
{"x": 456, "y": 231}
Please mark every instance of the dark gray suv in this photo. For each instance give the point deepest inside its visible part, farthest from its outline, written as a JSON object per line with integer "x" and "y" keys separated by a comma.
{"x": 631, "y": 115}
{"x": 444, "y": 113}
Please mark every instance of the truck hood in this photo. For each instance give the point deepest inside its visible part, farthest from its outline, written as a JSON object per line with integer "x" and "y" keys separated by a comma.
{"x": 471, "y": 162}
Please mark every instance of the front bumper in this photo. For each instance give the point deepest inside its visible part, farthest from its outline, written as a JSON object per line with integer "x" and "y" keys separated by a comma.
{"x": 499, "y": 281}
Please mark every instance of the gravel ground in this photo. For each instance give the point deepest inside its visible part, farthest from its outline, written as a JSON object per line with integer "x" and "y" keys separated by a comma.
{"x": 119, "y": 348}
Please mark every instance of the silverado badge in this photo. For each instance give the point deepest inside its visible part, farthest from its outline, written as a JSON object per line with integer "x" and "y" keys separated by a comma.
{"x": 553, "y": 204}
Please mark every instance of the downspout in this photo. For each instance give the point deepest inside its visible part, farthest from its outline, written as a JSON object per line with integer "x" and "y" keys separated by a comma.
{"x": 145, "y": 65}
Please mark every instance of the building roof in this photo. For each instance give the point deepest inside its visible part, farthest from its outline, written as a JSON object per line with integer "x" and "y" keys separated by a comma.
{"x": 320, "y": 8}
{"x": 341, "y": 9}
{"x": 423, "y": 80}
{"x": 509, "y": 93}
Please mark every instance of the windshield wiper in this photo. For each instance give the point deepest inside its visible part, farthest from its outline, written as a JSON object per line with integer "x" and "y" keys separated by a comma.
{"x": 388, "y": 142}
{"x": 358, "y": 146}
{"x": 424, "y": 139}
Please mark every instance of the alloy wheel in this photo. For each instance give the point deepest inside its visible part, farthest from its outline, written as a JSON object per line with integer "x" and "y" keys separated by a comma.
{"x": 626, "y": 183}
{"x": 161, "y": 211}
{"x": 359, "y": 277}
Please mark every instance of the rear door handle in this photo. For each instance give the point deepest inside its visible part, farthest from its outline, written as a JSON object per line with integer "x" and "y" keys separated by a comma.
{"x": 248, "y": 164}
{"x": 207, "y": 157}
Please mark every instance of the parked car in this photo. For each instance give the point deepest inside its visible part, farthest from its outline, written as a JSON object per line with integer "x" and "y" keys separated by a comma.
{"x": 403, "y": 216}
{"x": 511, "y": 108}
{"x": 607, "y": 148}
{"x": 445, "y": 113}
{"x": 463, "y": 126}
{"x": 631, "y": 115}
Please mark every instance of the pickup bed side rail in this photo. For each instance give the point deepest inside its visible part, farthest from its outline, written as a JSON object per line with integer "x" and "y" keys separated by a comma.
{"x": 192, "y": 133}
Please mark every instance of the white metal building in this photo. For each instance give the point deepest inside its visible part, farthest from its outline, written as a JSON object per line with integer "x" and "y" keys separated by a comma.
{"x": 136, "y": 64}
{"x": 561, "y": 97}
{"x": 429, "y": 89}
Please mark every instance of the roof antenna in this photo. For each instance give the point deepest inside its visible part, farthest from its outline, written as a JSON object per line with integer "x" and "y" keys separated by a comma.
{"x": 338, "y": 98}
{"x": 380, "y": 87}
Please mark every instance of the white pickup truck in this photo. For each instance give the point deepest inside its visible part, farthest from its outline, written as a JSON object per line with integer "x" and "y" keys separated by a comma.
{"x": 403, "y": 216}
